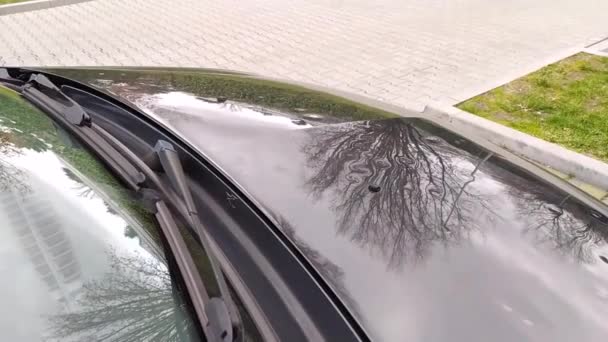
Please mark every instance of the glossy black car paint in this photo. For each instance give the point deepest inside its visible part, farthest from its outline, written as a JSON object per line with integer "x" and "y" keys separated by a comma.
{"x": 421, "y": 234}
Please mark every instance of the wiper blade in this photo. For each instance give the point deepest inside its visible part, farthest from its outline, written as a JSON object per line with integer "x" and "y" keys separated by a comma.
{"x": 212, "y": 312}
{"x": 41, "y": 92}
{"x": 172, "y": 166}
{"x": 60, "y": 103}
{"x": 9, "y": 81}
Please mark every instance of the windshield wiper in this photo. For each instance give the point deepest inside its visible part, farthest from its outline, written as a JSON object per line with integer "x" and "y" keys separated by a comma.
{"x": 181, "y": 197}
{"x": 212, "y": 312}
{"x": 44, "y": 94}
{"x": 9, "y": 81}
{"x": 172, "y": 166}
{"x": 218, "y": 316}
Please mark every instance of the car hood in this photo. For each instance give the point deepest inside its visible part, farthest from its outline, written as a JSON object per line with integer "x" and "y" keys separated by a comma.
{"x": 424, "y": 235}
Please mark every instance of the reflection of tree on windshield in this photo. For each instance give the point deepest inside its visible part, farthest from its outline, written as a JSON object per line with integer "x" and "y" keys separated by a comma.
{"x": 82, "y": 189}
{"x": 11, "y": 178}
{"x": 397, "y": 188}
{"x": 136, "y": 301}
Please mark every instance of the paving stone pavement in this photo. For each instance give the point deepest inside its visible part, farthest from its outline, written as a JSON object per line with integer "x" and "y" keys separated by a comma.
{"x": 405, "y": 52}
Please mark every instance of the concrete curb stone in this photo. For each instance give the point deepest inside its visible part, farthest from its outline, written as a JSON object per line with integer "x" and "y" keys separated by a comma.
{"x": 584, "y": 168}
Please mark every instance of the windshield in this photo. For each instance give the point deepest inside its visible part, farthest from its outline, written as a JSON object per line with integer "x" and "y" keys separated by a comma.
{"x": 80, "y": 258}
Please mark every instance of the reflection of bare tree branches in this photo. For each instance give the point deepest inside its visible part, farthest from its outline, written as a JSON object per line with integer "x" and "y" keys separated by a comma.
{"x": 397, "y": 188}
{"x": 130, "y": 232}
{"x": 233, "y": 107}
{"x": 331, "y": 272}
{"x": 133, "y": 302}
{"x": 82, "y": 189}
{"x": 6, "y": 145}
{"x": 11, "y": 178}
{"x": 221, "y": 102}
{"x": 558, "y": 220}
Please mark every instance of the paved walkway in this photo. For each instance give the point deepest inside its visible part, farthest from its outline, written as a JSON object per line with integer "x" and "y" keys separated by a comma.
{"x": 406, "y": 52}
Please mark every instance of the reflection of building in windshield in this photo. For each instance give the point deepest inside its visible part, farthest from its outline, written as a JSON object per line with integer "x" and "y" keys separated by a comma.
{"x": 40, "y": 232}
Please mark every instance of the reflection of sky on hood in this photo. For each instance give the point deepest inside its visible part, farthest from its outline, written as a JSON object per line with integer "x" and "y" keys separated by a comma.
{"x": 92, "y": 233}
{"x": 497, "y": 285}
{"x": 165, "y": 105}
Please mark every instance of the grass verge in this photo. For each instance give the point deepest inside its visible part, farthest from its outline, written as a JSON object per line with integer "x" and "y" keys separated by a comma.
{"x": 6, "y": 2}
{"x": 565, "y": 103}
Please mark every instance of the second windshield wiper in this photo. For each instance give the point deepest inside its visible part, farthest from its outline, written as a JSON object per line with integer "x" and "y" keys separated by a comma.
{"x": 218, "y": 316}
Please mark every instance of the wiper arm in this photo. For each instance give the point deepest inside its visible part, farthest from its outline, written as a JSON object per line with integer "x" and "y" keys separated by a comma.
{"x": 172, "y": 166}
{"x": 9, "y": 81}
{"x": 44, "y": 94}
{"x": 56, "y": 100}
{"x": 217, "y": 318}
